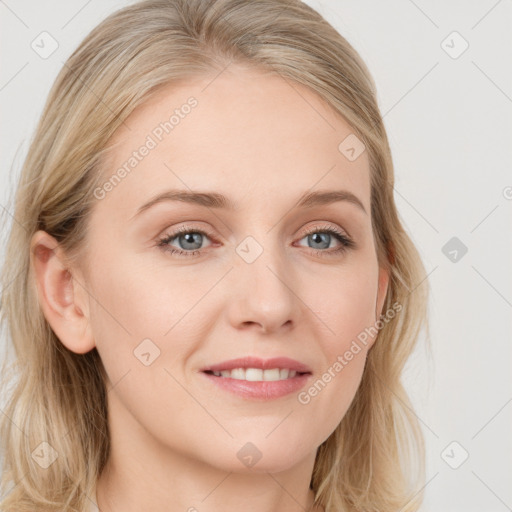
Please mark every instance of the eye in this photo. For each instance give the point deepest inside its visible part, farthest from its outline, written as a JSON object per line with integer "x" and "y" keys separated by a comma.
{"x": 189, "y": 239}
{"x": 321, "y": 239}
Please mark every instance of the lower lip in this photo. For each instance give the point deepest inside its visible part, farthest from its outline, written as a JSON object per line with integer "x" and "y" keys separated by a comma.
{"x": 260, "y": 390}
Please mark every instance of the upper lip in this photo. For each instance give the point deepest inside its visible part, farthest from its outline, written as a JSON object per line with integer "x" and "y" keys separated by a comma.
{"x": 256, "y": 362}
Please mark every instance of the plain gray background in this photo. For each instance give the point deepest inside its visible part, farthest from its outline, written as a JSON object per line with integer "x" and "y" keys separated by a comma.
{"x": 448, "y": 113}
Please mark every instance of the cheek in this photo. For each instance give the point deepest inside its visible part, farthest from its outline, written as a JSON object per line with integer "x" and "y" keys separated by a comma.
{"x": 346, "y": 303}
{"x": 328, "y": 397}
{"x": 346, "y": 307}
{"x": 136, "y": 302}
{"x": 139, "y": 322}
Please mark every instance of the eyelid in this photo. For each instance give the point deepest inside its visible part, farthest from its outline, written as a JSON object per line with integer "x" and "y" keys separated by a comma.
{"x": 186, "y": 229}
{"x": 308, "y": 230}
{"x": 326, "y": 227}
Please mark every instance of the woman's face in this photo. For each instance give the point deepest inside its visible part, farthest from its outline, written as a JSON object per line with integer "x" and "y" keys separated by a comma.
{"x": 253, "y": 273}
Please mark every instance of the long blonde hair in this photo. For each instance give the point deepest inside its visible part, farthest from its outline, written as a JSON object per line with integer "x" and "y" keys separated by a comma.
{"x": 374, "y": 460}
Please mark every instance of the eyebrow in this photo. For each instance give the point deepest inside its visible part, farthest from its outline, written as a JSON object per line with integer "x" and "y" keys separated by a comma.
{"x": 216, "y": 200}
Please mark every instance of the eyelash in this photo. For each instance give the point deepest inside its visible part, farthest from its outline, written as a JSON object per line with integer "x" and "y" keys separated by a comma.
{"x": 346, "y": 242}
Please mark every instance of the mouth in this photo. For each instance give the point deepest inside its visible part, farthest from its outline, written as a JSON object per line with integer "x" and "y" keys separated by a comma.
{"x": 257, "y": 374}
{"x": 255, "y": 378}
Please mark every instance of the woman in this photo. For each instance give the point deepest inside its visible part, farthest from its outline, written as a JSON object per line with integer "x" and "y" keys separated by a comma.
{"x": 208, "y": 288}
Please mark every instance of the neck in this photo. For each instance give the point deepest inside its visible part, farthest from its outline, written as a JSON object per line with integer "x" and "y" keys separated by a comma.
{"x": 193, "y": 487}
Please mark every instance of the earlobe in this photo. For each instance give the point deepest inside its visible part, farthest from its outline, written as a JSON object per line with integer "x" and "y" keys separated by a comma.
{"x": 62, "y": 301}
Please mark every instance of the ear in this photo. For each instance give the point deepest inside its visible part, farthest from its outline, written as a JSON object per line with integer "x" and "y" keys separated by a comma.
{"x": 382, "y": 288}
{"x": 382, "y": 291}
{"x": 62, "y": 296}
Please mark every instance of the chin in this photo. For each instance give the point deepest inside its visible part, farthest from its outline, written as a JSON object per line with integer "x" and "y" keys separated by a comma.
{"x": 260, "y": 455}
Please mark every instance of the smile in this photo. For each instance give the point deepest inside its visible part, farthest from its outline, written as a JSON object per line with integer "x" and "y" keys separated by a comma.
{"x": 256, "y": 374}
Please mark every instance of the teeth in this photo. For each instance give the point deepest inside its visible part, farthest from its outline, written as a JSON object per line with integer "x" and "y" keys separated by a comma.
{"x": 253, "y": 374}
{"x": 238, "y": 373}
{"x": 271, "y": 375}
{"x": 257, "y": 374}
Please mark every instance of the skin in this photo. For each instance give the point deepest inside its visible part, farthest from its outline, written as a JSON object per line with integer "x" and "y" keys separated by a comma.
{"x": 175, "y": 436}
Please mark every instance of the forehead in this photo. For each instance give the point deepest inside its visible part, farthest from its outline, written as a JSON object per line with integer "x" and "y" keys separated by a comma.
{"x": 256, "y": 137}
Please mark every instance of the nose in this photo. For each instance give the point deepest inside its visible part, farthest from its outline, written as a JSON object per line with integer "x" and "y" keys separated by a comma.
{"x": 263, "y": 297}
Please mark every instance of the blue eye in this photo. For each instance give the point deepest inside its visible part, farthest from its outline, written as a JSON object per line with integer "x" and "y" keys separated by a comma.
{"x": 191, "y": 240}
{"x": 324, "y": 236}
{"x": 187, "y": 237}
